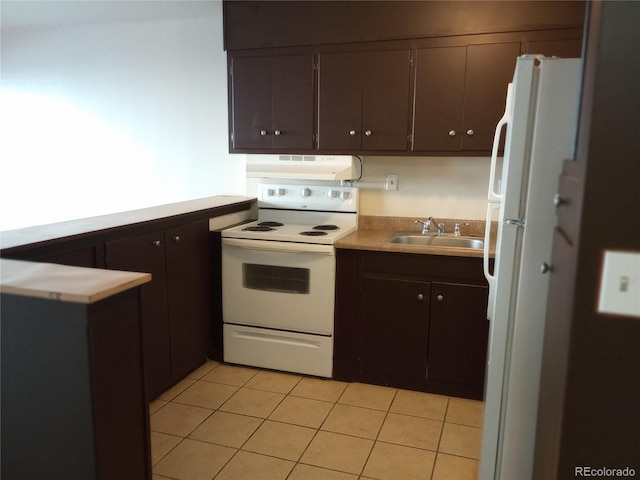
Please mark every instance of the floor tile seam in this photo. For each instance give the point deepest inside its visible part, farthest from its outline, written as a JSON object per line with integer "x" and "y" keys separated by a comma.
{"x": 458, "y": 456}
{"x": 225, "y": 464}
{"x": 462, "y": 424}
{"x": 170, "y": 450}
{"x": 446, "y": 410}
{"x": 364, "y": 465}
{"x": 442, "y": 420}
{"x": 297, "y": 395}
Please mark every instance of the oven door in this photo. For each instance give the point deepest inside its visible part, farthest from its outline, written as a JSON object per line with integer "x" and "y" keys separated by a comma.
{"x": 280, "y": 285}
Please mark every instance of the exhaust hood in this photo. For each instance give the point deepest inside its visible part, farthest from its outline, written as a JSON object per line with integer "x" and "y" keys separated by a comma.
{"x": 302, "y": 167}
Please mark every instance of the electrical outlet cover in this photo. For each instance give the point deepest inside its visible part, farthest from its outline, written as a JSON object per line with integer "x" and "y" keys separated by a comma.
{"x": 620, "y": 284}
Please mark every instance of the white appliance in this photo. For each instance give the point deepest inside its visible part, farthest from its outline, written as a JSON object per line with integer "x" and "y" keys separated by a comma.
{"x": 302, "y": 167}
{"x": 279, "y": 278}
{"x": 540, "y": 118}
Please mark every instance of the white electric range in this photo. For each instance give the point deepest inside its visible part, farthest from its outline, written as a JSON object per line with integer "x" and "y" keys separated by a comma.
{"x": 279, "y": 278}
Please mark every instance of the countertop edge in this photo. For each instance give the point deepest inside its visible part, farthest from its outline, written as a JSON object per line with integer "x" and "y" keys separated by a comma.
{"x": 65, "y": 283}
{"x": 41, "y": 235}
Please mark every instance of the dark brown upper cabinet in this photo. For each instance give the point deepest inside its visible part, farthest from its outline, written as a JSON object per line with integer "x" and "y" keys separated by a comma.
{"x": 460, "y": 95}
{"x": 363, "y": 101}
{"x": 271, "y": 103}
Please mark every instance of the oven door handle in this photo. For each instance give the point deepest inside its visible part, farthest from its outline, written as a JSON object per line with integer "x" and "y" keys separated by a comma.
{"x": 284, "y": 247}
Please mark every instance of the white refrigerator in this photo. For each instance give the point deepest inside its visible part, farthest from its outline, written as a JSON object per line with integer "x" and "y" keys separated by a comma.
{"x": 540, "y": 117}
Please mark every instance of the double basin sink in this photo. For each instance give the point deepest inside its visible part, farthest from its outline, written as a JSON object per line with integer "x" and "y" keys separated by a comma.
{"x": 437, "y": 241}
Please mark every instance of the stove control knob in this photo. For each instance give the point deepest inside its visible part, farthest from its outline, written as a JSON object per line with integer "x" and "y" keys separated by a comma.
{"x": 334, "y": 193}
{"x": 270, "y": 192}
{"x": 305, "y": 192}
{"x": 282, "y": 191}
{"x": 345, "y": 195}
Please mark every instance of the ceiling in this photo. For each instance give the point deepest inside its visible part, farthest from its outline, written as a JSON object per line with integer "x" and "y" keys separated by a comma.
{"x": 56, "y": 13}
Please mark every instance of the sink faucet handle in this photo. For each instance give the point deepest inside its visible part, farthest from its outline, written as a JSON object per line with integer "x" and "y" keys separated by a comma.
{"x": 426, "y": 224}
{"x": 456, "y": 231}
{"x": 440, "y": 228}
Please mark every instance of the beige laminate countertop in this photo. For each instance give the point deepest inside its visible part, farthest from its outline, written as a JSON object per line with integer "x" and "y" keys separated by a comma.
{"x": 374, "y": 232}
{"x": 64, "y": 283}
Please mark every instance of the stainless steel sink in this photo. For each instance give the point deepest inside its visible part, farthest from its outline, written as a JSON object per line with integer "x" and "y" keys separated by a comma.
{"x": 437, "y": 241}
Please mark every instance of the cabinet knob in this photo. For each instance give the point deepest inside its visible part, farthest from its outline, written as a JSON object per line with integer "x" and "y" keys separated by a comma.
{"x": 176, "y": 238}
{"x": 545, "y": 268}
{"x": 157, "y": 243}
{"x": 368, "y": 133}
{"x": 440, "y": 298}
{"x": 420, "y": 296}
{"x": 277, "y": 132}
{"x": 470, "y": 132}
{"x": 352, "y": 133}
{"x": 452, "y": 133}
{"x": 263, "y": 132}
{"x": 559, "y": 200}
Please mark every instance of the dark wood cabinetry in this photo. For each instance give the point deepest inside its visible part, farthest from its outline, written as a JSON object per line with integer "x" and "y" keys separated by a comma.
{"x": 395, "y": 329}
{"x": 176, "y": 311}
{"x": 73, "y": 403}
{"x": 460, "y": 95}
{"x": 271, "y": 102}
{"x": 363, "y": 100}
{"x": 411, "y": 321}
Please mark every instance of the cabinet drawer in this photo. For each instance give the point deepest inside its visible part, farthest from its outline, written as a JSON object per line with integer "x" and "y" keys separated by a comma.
{"x": 432, "y": 267}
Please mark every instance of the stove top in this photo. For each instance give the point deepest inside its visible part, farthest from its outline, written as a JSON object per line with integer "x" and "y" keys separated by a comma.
{"x": 301, "y": 213}
{"x": 325, "y": 233}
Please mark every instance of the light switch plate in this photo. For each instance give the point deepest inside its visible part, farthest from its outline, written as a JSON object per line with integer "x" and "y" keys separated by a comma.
{"x": 392, "y": 182}
{"x": 620, "y": 284}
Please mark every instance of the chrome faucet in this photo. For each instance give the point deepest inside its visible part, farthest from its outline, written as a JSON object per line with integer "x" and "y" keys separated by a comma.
{"x": 456, "y": 230}
{"x": 426, "y": 226}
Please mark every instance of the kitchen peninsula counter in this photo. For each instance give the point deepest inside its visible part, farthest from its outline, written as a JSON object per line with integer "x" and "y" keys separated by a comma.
{"x": 162, "y": 216}
{"x": 374, "y": 233}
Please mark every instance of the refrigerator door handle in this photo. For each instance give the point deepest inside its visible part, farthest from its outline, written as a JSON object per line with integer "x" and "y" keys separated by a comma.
{"x": 505, "y": 120}
{"x": 491, "y": 279}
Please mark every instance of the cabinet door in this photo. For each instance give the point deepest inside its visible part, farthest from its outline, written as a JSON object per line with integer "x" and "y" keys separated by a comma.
{"x": 292, "y": 102}
{"x": 363, "y": 100}
{"x": 385, "y": 100}
{"x": 339, "y": 101}
{"x": 458, "y": 333}
{"x": 272, "y": 102}
{"x": 251, "y": 102}
{"x": 146, "y": 253}
{"x": 395, "y": 328}
{"x": 439, "y": 91}
{"x": 571, "y": 48}
{"x": 188, "y": 260}
{"x": 489, "y": 70}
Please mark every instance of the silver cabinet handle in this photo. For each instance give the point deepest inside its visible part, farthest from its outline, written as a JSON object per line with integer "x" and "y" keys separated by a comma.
{"x": 420, "y": 296}
{"x": 440, "y": 298}
{"x": 545, "y": 268}
{"x": 157, "y": 243}
{"x": 277, "y": 132}
{"x": 470, "y": 132}
{"x": 452, "y": 133}
{"x": 352, "y": 133}
{"x": 263, "y": 132}
{"x": 176, "y": 238}
{"x": 368, "y": 133}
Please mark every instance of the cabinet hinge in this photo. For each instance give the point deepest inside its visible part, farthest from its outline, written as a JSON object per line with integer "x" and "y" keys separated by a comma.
{"x": 410, "y": 138}
{"x": 411, "y": 61}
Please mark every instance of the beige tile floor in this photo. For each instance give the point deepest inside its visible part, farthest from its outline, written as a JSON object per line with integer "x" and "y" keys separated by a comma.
{"x": 227, "y": 422}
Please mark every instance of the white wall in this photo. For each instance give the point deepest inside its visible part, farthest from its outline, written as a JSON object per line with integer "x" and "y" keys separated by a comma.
{"x": 109, "y": 117}
{"x": 442, "y": 187}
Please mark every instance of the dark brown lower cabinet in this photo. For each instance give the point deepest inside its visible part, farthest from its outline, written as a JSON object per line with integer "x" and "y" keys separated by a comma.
{"x": 73, "y": 403}
{"x": 176, "y": 304}
{"x": 395, "y": 331}
{"x": 411, "y": 321}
